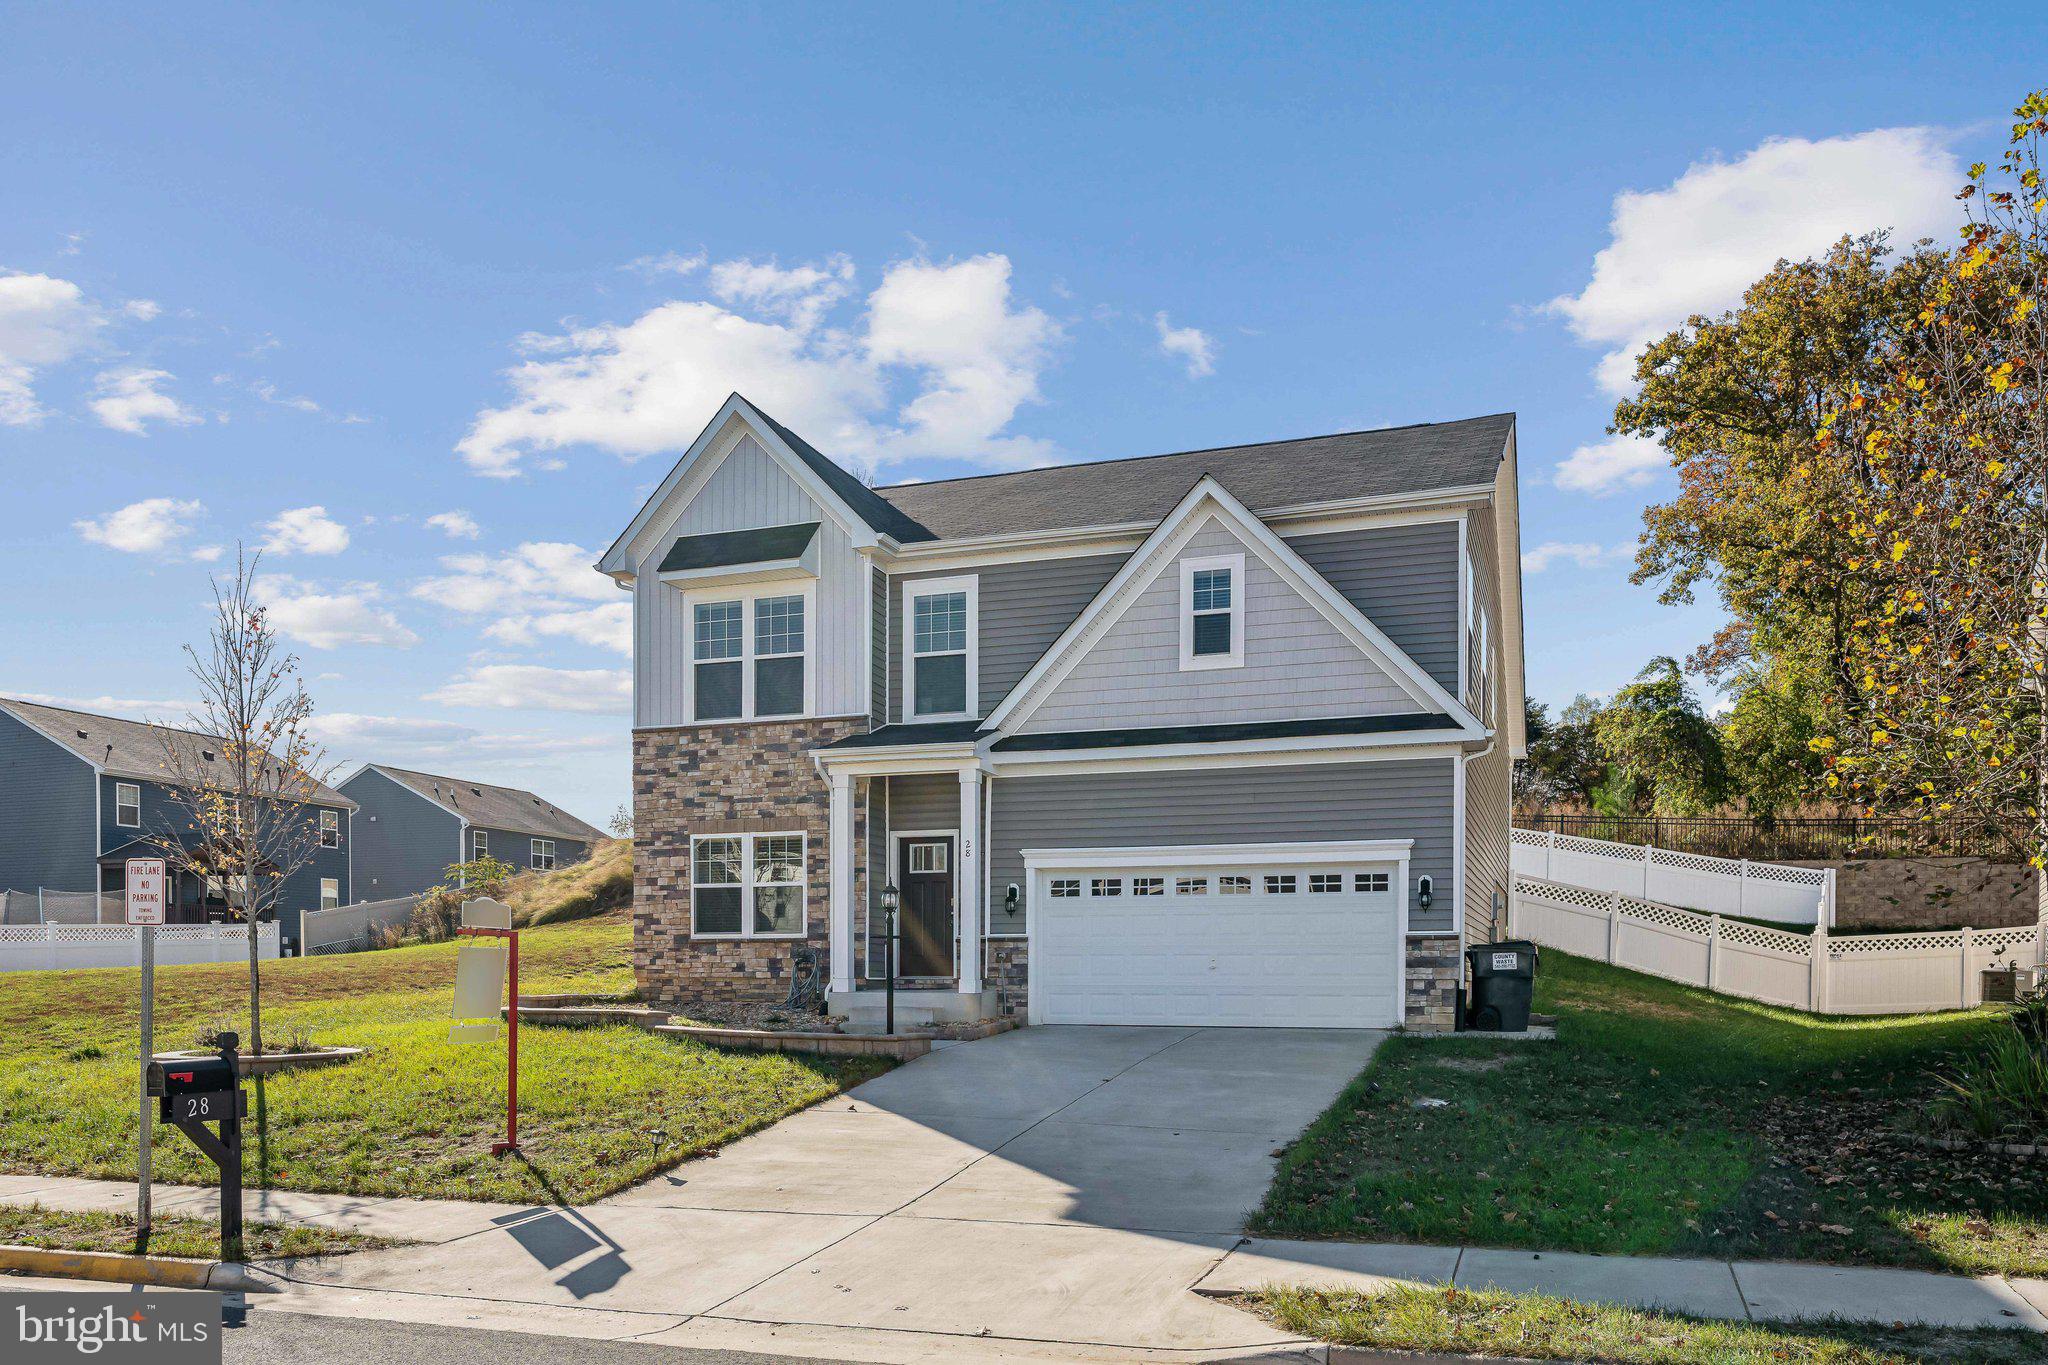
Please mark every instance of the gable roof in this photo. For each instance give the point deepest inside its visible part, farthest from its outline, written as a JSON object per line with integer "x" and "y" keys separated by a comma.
{"x": 1355, "y": 464}
{"x": 493, "y": 807}
{"x": 880, "y": 515}
{"x": 1157, "y": 553}
{"x": 130, "y": 748}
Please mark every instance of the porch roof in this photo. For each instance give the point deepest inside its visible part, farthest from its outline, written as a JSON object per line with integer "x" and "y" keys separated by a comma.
{"x": 921, "y": 732}
{"x": 1222, "y": 734}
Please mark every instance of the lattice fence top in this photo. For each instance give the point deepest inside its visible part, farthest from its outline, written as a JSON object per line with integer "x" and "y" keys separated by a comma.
{"x": 1666, "y": 857}
{"x": 1559, "y": 891}
{"x": 1858, "y": 945}
{"x": 2005, "y": 938}
{"x": 1773, "y": 940}
{"x": 1667, "y": 916}
{"x": 1672, "y": 917}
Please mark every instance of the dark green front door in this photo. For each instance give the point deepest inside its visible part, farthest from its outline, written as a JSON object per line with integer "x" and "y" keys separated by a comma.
{"x": 925, "y": 875}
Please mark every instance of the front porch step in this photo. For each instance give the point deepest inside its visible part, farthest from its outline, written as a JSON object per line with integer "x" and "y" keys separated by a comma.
{"x": 866, "y": 1011}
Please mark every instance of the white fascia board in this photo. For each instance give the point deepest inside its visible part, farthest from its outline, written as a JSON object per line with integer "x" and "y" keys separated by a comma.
{"x": 716, "y": 436}
{"x": 800, "y": 570}
{"x": 1150, "y": 559}
{"x": 1261, "y": 753}
{"x": 1248, "y": 855}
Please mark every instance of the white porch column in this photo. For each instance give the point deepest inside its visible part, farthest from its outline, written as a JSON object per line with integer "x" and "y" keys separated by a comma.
{"x": 969, "y": 965}
{"x": 839, "y": 855}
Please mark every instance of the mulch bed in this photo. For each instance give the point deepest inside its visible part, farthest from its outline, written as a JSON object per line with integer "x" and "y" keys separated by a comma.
{"x": 775, "y": 1018}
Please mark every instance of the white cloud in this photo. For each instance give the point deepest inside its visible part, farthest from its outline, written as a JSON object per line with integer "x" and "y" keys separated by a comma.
{"x": 327, "y": 618}
{"x": 207, "y": 554}
{"x": 457, "y": 523}
{"x": 143, "y": 310}
{"x": 1693, "y": 246}
{"x": 950, "y": 333}
{"x": 667, "y": 263}
{"x": 1617, "y": 462}
{"x": 608, "y": 627}
{"x": 44, "y": 321}
{"x": 532, "y": 687}
{"x": 537, "y": 576}
{"x": 1584, "y": 553}
{"x": 129, "y": 399}
{"x": 275, "y": 396}
{"x": 166, "y": 712}
{"x": 1193, "y": 346}
{"x": 417, "y": 739}
{"x": 142, "y": 527}
{"x": 305, "y": 530}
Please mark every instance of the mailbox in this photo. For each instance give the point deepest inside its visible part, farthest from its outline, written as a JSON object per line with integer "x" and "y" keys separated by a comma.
{"x": 202, "y": 1088}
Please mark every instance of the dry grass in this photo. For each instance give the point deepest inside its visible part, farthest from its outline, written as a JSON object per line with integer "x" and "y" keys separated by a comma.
{"x": 601, "y": 882}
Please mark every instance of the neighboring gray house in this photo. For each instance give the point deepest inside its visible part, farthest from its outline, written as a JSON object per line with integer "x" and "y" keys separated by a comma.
{"x": 1220, "y": 737}
{"x": 80, "y": 794}
{"x": 411, "y": 826}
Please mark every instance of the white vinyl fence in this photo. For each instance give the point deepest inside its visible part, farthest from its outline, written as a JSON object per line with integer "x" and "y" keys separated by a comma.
{"x": 1859, "y": 974}
{"x": 1715, "y": 886}
{"x": 48, "y": 947}
{"x": 346, "y": 928}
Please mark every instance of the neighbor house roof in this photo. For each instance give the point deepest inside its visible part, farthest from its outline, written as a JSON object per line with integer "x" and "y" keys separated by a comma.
{"x": 132, "y": 748}
{"x": 480, "y": 803}
{"x": 1314, "y": 469}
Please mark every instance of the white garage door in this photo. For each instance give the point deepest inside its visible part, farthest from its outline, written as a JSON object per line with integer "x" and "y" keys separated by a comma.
{"x": 1217, "y": 943}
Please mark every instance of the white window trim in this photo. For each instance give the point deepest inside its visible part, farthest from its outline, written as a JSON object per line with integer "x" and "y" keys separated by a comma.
{"x": 746, "y": 884}
{"x": 745, "y": 595}
{"x": 534, "y": 854}
{"x": 913, "y": 589}
{"x": 323, "y": 817}
{"x": 120, "y": 787}
{"x": 325, "y": 883}
{"x": 1189, "y": 660}
{"x": 479, "y": 844}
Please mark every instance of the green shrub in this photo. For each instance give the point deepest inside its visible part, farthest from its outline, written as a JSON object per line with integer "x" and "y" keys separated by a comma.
{"x": 2003, "y": 1090}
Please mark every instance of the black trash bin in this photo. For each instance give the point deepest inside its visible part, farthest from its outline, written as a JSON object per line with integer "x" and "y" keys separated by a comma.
{"x": 1503, "y": 981}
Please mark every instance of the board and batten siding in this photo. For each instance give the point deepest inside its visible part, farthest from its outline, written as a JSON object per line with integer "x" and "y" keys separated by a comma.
{"x": 1296, "y": 663}
{"x": 748, "y": 490}
{"x": 878, "y": 649}
{"x": 46, "y": 813}
{"x": 1404, "y": 579}
{"x": 1024, "y": 607}
{"x": 1410, "y": 798}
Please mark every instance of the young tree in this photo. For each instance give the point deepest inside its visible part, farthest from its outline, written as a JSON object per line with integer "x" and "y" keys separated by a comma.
{"x": 240, "y": 775}
{"x": 1655, "y": 735}
{"x": 1564, "y": 763}
{"x": 621, "y": 823}
{"x": 1950, "y": 529}
{"x": 1768, "y": 736}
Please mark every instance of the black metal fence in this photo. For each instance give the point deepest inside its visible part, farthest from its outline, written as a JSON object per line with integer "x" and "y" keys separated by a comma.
{"x": 1795, "y": 838}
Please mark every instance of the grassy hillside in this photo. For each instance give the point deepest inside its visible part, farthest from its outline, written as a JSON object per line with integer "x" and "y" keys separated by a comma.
{"x": 602, "y": 882}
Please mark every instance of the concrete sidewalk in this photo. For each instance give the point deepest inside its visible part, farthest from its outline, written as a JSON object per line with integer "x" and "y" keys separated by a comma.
{"x": 403, "y": 1220}
{"x": 1755, "y": 1290}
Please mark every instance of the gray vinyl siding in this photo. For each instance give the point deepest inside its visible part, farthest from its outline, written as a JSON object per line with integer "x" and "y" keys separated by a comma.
{"x": 1486, "y": 582}
{"x": 1404, "y": 579}
{"x": 404, "y": 842}
{"x": 747, "y": 490}
{"x": 1488, "y": 803}
{"x": 516, "y": 847}
{"x": 877, "y": 851}
{"x": 1391, "y": 799}
{"x": 46, "y": 813}
{"x": 1296, "y": 662}
{"x": 1024, "y": 607}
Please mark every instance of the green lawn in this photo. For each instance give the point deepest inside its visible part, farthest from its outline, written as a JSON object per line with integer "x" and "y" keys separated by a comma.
{"x": 1534, "y": 1327}
{"x": 1666, "y": 1120}
{"x": 31, "y": 1225}
{"x": 600, "y": 1108}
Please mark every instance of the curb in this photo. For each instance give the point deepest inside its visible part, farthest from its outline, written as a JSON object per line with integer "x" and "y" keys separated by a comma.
{"x": 171, "y": 1272}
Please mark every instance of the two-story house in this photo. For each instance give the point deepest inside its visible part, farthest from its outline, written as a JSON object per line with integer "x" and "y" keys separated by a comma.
{"x": 411, "y": 826}
{"x": 1218, "y": 737}
{"x": 80, "y": 794}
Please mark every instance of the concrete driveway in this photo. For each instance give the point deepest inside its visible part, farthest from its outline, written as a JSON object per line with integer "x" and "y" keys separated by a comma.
{"x": 1050, "y": 1185}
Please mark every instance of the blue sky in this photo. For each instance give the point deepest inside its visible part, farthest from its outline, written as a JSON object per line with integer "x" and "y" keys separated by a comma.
{"x": 314, "y": 280}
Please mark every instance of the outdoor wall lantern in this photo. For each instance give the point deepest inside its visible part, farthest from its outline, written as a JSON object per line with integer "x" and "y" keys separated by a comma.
{"x": 1010, "y": 900}
{"x": 1425, "y": 891}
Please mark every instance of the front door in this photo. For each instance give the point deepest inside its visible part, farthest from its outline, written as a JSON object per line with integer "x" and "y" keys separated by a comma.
{"x": 925, "y": 875}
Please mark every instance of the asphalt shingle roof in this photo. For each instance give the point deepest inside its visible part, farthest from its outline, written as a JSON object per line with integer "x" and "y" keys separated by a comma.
{"x": 480, "y": 803}
{"x": 717, "y": 549}
{"x": 1312, "y": 469}
{"x": 130, "y": 748}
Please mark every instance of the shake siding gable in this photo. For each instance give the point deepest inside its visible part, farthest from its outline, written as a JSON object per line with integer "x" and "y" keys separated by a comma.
{"x": 1297, "y": 664}
{"x": 748, "y": 490}
{"x": 1388, "y": 799}
{"x": 1404, "y": 579}
{"x": 46, "y": 813}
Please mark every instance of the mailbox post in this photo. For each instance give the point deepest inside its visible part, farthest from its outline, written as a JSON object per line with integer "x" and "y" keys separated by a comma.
{"x": 194, "y": 1092}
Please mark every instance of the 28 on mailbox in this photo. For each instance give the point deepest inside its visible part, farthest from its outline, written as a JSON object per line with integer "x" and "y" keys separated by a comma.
{"x": 201, "y": 1088}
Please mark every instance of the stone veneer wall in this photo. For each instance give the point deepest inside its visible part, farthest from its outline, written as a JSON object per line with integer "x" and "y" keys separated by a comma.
{"x": 1905, "y": 894}
{"x": 1434, "y": 972}
{"x": 726, "y": 779}
{"x": 1008, "y": 975}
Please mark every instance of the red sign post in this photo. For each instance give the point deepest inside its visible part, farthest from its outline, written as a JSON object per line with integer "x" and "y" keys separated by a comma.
{"x": 511, "y": 937}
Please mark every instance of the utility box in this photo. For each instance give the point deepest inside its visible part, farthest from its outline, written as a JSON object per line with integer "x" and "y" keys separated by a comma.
{"x": 1503, "y": 985}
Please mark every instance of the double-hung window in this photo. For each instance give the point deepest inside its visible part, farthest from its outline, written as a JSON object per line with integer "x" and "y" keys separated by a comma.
{"x": 748, "y": 656}
{"x": 747, "y": 886}
{"x": 128, "y": 805}
{"x": 939, "y": 671}
{"x": 479, "y": 843}
{"x": 540, "y": 854}
{"x": 1212, "y": 612}
{"x": 330, "y": 892}
{"x": 330, "y": 829}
